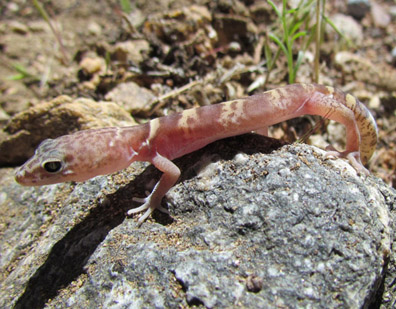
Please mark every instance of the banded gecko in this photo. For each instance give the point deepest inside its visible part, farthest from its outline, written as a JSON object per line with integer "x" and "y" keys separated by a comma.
{"x": 85, "y": 154}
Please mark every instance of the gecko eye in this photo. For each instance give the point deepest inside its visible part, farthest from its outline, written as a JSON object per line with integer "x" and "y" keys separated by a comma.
{"x": 52, "y": 166}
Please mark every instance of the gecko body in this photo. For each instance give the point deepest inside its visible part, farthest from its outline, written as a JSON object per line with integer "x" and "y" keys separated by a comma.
{"x": 85, "y": 154}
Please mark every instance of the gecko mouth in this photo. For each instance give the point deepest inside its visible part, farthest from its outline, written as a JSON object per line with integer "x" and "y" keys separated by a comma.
{"x": 19, "y": 175}
{"x": 24, "y": 178}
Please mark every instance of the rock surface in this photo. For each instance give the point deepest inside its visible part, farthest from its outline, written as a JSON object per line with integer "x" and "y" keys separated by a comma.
{"x": 248, "y": 229}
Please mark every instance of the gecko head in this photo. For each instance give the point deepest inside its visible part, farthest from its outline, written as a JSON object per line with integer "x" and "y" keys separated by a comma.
{"x": 75, "y": 157}
{"x": 47, "y": 166}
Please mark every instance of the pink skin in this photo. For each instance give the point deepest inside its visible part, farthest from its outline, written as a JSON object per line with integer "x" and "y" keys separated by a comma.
{"x": 86, "y": 154}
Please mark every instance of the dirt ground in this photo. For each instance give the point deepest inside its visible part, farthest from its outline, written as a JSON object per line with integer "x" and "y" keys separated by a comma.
{"x": 181, "y": 54}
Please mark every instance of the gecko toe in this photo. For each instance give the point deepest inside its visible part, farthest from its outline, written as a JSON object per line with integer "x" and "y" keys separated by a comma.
{"x": 352, "y": 156}
{"x": 145, "y": 216}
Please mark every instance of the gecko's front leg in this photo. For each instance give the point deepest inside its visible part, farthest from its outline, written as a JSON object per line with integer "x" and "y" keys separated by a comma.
{"x": 170, "y": 175}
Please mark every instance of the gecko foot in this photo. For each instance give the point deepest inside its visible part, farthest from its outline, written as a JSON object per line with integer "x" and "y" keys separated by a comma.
{"x": 352, "y": 156}
{"x": 149, "y": 205}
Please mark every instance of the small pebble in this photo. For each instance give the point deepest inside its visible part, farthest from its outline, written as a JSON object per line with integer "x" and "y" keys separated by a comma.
{"x": 392, "y": 12}
{"x": 92, "y": 65}
{"x": 380, "y": 16}
{"x": 254, "y": 284}
{"x": 18, "y": 27}
{"x": 13, "y": 7}
{"x": 358, "y": 8}
{"x": 4, "y": 117}
{"x": 393, "y": 54}
{"x": 95, "y": 29}
{"x": 133, "y": 50}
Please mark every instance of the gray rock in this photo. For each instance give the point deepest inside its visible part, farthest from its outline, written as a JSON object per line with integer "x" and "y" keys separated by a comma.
{"x": 248, "y": 229}
{"x": 387, "y": 293}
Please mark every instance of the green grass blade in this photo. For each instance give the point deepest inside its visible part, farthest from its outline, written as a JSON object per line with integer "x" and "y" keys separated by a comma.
{"x": 291, "y": 11}
{"x": 126, "y": 6}
{"x": 279, "y": 43}
{"x": 296, "y": 27}
{"x": 22, "y": 73}
{"x": 44, "y": 15}
{"x": 274, "y": 7}
{"x": 300, "y": 58}
{"x": 294, "y": 70}
{"x": 41, "y": 10}
{"x": 299, "y": 34}
{"x": 268, "y": 54}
